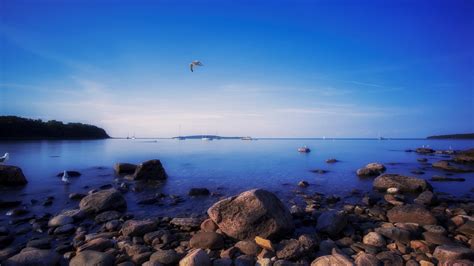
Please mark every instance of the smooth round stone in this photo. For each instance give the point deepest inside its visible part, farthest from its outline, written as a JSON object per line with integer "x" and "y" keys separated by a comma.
{"x": 60, "y": 220}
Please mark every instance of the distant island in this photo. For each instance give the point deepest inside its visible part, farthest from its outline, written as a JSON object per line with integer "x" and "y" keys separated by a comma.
{"x": 453, "y": 136}
{"x": 19, "y": 128}
{"x": 210, "y": 137}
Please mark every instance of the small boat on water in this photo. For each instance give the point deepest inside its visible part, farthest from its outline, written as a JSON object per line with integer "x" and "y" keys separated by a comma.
{"x": 304, "y": 149}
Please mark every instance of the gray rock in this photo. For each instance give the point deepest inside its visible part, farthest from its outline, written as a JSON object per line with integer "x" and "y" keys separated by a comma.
{"x": 248, "y": 247}
{"x": 33, "y": 256}
{"x": 90, "y": 257}
{"x": 253, "y": 213}
{"x": 403, "y": 183}
{"x": 149, "y": 170}
{"x": 138, "y": 227}
{"x": 103, "y": 200}
{"x": 365, "y": 259}
{"x": 196, "y": 257}
{"x": 374, "y": 239}
{"x": 207, "y": 240}
{"x": 425, "y": 198}
{"x": 166, "y": 257}
{"x": 107, "y": 216}
{"x": 411, "y": 213}
{"x": 331, "y": 222}
{"x": 371, "y": 169}
{"x": 124, "y": 168}
{"x": 394, "y": 233}
{"x": 60, "y": 220}
{"x": 289, "y": 249}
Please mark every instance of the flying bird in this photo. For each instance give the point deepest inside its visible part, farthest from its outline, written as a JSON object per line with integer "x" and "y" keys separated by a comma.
{"x": 195, "y": 64}
{"x": 4, "y": 158}
{"x": 65, "y": 177}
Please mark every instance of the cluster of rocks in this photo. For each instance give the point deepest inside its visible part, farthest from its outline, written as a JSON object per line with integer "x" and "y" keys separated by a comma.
{"x": 402, "y": 222}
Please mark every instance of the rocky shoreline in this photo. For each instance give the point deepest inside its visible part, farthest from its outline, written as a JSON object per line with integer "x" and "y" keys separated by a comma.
{"x": 401, "y": 222}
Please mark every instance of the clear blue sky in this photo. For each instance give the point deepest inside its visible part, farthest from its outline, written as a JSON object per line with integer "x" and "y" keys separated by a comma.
{"x": 275, "y": 69}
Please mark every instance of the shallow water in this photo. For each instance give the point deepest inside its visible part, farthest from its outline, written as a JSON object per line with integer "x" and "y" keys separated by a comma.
{"x": 223, "y": 166}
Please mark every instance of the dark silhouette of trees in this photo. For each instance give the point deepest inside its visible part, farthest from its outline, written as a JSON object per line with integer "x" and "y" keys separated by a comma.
{"x": 18, "y": 128}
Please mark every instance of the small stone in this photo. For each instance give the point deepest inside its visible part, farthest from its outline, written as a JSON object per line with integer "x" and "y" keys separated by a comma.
{"x": 209, "y": 226}
{"x": 303, "y": 184}
{"x": 248, "y": 247}
{"x": 207, "y": 240}
{"x": 197, "y": 257}
{"x": 264, "y": 243}
{"x": 60, "y": 220}
{"x": 90, "y": 257}
{"x": 374, "y": 239}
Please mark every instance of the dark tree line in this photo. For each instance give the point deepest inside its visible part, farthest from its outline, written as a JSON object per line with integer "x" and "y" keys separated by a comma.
{"x": 17, "y": 128}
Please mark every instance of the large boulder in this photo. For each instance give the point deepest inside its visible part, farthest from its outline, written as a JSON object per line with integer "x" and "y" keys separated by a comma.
{"x": 33, "y": 256}
{"x": 253, "y": 213}
{"x": 446, "y": 253}
{"x": 103, "y": 200}
{"x": 411, "y": 213}
{"x": 12, "y": 176}
{"x": 149, "y": 170}
{"x": 372, "y": 169}
{"x": 90, "y": 257}
{"x": 125, "y": 168}
{"x": 402, "y": 183}
{"x": 331, "y": 222}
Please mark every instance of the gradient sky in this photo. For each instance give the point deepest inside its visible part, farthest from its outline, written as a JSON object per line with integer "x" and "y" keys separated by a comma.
{"x": 273, "y": 69}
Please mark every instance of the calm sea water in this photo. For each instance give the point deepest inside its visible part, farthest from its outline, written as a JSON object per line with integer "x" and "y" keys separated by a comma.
{"x": 223, "y": 166}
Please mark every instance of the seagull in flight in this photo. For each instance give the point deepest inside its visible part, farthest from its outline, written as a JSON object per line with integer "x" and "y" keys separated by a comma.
{"x": 195, "y": 64}
{"x": 4, "y": 158}
{"x": 65, "y": 177}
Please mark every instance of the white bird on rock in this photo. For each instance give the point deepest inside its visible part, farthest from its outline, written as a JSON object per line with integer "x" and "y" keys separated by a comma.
{"x": 65, "y": 177}
{"x": 195, "y": 64}
{"x": 4, "y": 158}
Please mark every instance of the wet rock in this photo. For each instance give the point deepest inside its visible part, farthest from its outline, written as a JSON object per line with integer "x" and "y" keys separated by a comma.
{"x": 303, "y": 184}
{"x": 229, "y": 253}
{"x": 244, "y": 260}
{"x": 424, "y": 150}
{"x": 446, "y": 253}
{"x": 138, "y": 227}
{"x": 319, "y": 171}
{"x": 222, "y": 262}
{"x": 41, "y": 243}
{"x": 289, "y": 249}
{"x": 248, "y": 247}
{"x": 97, "y": 244}
{"x": 331, "y": 222}
{"x": 425, "y": 198}
{"x": 9, "y": 203}
{"x": 194, "y": 192}
{"x": 411, "y": 213}
{"x": 103, "y": 200}
{"x": 374, "y": 239}
{"x": 422, "y": 160}
{"x": 365, "y": 259}
{"x": 447, "y": 179}
{"x": 371, "y": 169}
{"x": 166, "y": 257}
{"x": 90, "y": 257}
{"x": 390, "y": 258}
{"x": 107, "y": 216}
{"x": 252, "y": 213}
{"x": 60, "y": 220}
{"x": 70, "y": 174}
{"x": 332, "y": 160}
{"x": 33, "y": 256}
{"x": 197, "y": 257}
{"x": 12, "y": 176}
{"x": 149, "y": 170}
{"x": 337, "y": 258}
{"x": 447, "y": 166}
{"x": 394, "y": 233}
{"x": 467, "y": 229}
{"x": 76, "y": 196}
{"x": 420, "y": 245}
{"x": 124, "y": 168}
{"x": 65, "y": 229}
{"x": 403, "y": 183}
{"x": 207, "y": 240}
{"x": 437, "y": 238}
{"x": 393, "y": 199}
{"x": 8, "y": 252}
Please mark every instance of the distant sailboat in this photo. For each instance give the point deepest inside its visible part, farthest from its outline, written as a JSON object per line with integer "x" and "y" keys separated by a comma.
{"x": 4, "y": 158}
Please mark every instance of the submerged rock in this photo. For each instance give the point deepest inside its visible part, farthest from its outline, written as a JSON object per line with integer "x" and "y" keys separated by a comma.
{"x": 12, "y": 176}
{"x": 199, "y": 192}
{"x": 447, "y": 166}
{"x": 371, "y": 169}
{"x": 331, "y": 222}
{"x": 253, "y": 213}
{"x": 424, "y": 150}
{"x": 70, "y": 174}
{"x": 402, "y": 183}
{"x": 103, "y": 200}
{"x": 149, "y": 170}
{"x": 447, "y": 179}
